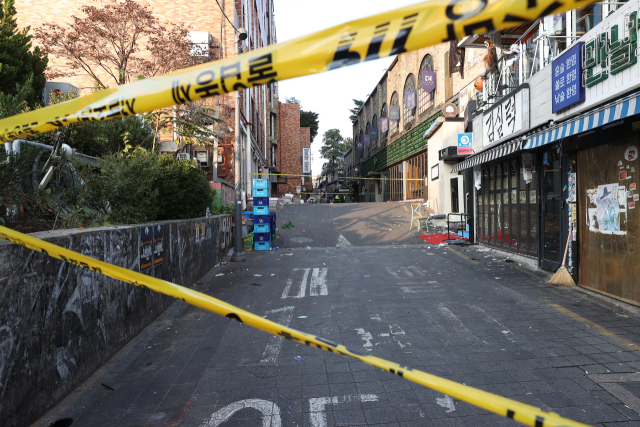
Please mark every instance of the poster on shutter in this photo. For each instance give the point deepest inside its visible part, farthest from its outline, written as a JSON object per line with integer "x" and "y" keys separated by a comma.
{"x": 572, "y": 187}
{"x": 607, "y": 209}
{"x": 306, "y": 160}
{"x": 477, "y": 175}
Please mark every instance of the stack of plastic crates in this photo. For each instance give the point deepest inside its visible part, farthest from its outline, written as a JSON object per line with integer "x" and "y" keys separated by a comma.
{"x": 262, "y": 226}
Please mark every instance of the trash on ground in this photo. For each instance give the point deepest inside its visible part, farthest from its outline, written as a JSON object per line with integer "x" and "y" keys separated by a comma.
{"x": 223, "y": 263}
{"x": 287, "y": 225}
{"x": 219, "y": 274}
{"x": 257, "y": 275}
{"x": 298, "y": 358}
{"x": 273, "y": 274}
{"x": 482, "y": 250}
{"x": 289, "y": 254}
{"x": 498, "y": 278}
{"x": 302, "y": 317}
{"x": 255, "y": 284}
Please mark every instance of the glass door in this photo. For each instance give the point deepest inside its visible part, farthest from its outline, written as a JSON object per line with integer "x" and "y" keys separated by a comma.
{"x": 551, "y": 250}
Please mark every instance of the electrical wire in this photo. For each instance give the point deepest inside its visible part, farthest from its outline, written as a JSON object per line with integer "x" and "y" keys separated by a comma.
{"x": 225, "y": 15}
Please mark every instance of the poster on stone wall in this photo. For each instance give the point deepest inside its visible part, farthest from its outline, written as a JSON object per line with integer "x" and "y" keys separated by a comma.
{"x": 158, "y": 251}
{"x": 146, "y": 248}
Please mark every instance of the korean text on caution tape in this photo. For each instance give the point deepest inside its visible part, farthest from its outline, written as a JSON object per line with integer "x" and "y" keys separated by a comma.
{"x": 400, "y": 30}
{"x": 525, "y": 414}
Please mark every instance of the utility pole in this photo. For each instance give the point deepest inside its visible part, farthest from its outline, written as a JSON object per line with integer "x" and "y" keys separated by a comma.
{"x": 238, "y": 254}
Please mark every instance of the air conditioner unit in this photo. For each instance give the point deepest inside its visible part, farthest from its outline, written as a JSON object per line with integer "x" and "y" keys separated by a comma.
{"x": 184, "y": 156}
{"x": 202, "y": 156}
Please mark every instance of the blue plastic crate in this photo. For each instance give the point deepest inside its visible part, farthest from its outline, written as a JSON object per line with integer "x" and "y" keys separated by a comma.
{"x": 261, "y": 237}
{"x": 272, "y": 218}
{"x": 262, "y": 246}
{"x": 260, "y": 192}
{"x": 262, "y": 219}
{"x": 262, "y": 184}
{"x": 260, "y": 210}
{"x": 261, "y": 201}
{"x": 247, "y": 214}
{"x": 261, "y": 228}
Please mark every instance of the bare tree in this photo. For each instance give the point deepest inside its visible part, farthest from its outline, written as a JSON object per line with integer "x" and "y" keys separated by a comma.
{"x": 122, "y": 41}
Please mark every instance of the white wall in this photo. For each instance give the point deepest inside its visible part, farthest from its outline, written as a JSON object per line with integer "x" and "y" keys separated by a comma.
{"x": 540, "y": 95}
{"x": 440, "y": 189}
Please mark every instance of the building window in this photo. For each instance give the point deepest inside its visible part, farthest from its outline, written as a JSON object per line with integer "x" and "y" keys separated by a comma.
{"x": 383, "y": 114}
{"x": 393, "y": 124}
{"x": 409, "y": 87}
{"x": 425, "y": 100}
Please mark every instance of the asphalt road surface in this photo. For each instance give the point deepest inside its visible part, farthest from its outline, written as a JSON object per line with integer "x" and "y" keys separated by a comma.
{"x": 359, "y": 224}
{"x": 465, "y": 315}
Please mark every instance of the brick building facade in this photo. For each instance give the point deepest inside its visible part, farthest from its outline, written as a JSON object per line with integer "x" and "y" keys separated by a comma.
{"x": 218, "y": 19}
{"x": 402, "y": 145}
{"x": 293, "y": 139}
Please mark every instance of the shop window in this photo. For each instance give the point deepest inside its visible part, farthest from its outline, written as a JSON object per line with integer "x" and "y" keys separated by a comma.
{"x": 409, "y": 100}
{"x": 425, "y": 100}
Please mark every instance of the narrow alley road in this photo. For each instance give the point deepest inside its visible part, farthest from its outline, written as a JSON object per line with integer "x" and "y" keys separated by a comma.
{"x": 480, "y": 321}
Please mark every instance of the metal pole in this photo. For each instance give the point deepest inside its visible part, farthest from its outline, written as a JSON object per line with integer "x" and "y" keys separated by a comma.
{"x": 238, "y": 254}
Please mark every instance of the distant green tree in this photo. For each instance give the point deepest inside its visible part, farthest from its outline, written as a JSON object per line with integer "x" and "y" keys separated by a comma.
{"x": 348, "y": 143}
{"x": 309, "y": 119}
{"x": 334, "y": 147}
{"x": 19, "y": 63}
{"x": 291, "y": 100}
{"x": 355, "y": 110}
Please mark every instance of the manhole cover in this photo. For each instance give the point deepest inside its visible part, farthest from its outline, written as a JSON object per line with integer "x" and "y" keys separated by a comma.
{"x": 301, "y": 239}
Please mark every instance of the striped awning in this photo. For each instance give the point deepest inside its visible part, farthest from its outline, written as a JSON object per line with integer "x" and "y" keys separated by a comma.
{"x": 504, "y": 149}
{"x": 601, "y": 116}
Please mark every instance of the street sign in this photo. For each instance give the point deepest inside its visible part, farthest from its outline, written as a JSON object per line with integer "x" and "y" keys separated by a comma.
{"x": 465, "y": 144}
{"x": 306, "y": 160}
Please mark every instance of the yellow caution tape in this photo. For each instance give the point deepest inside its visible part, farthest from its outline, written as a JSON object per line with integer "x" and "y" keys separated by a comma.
{"x": 525, "y": 414}
{"x": 345, "y": 177}
{"x": 390, "y": 33}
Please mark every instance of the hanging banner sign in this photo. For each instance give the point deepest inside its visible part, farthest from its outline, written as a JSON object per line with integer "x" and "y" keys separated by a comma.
{"x": 477, "y": 177}
{"x": 384, "y": 124}
{"x": 409, "y": 100}
{"x": 359, "y": 145}
{"x": 566, "y": 74}
{"x": 374, "y": 133}
{"x": 366, "y": 139}
{"x": 306, "y": 160}
{"x": 428, "y": 80}
{"x": 394, "y": 113}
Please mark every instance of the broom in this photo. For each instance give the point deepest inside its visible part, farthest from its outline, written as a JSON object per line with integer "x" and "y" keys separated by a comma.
{"x": 562, "y": 276}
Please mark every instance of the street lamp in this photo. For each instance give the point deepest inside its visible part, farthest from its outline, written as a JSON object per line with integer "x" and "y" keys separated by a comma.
{"x": 238, "y": 254}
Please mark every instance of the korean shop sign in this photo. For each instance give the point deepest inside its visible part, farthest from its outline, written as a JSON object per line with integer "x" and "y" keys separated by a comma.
{"x": 566, "y": 73}
{"x": 509, "y": 116}
{"x": 611, "y": 52}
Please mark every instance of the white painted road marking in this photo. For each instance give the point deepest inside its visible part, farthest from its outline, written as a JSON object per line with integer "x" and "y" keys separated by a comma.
{"x": 459, "y": 326}
{"x": 318, "y": 282}
{"x": 270, "y": 412}
{"x": 317, "y": 405}
{"x": 366, "y": 337}
{"x": 272, "y": 351}
{"x": 342, "y": 242}
{"x": 318, "y": 285}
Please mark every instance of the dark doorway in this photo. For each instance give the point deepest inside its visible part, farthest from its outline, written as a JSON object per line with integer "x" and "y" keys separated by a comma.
{"x": 551, "y": 201}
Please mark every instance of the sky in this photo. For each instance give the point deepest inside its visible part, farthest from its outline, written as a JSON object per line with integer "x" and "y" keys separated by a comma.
{"x": 330, "y": 94}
